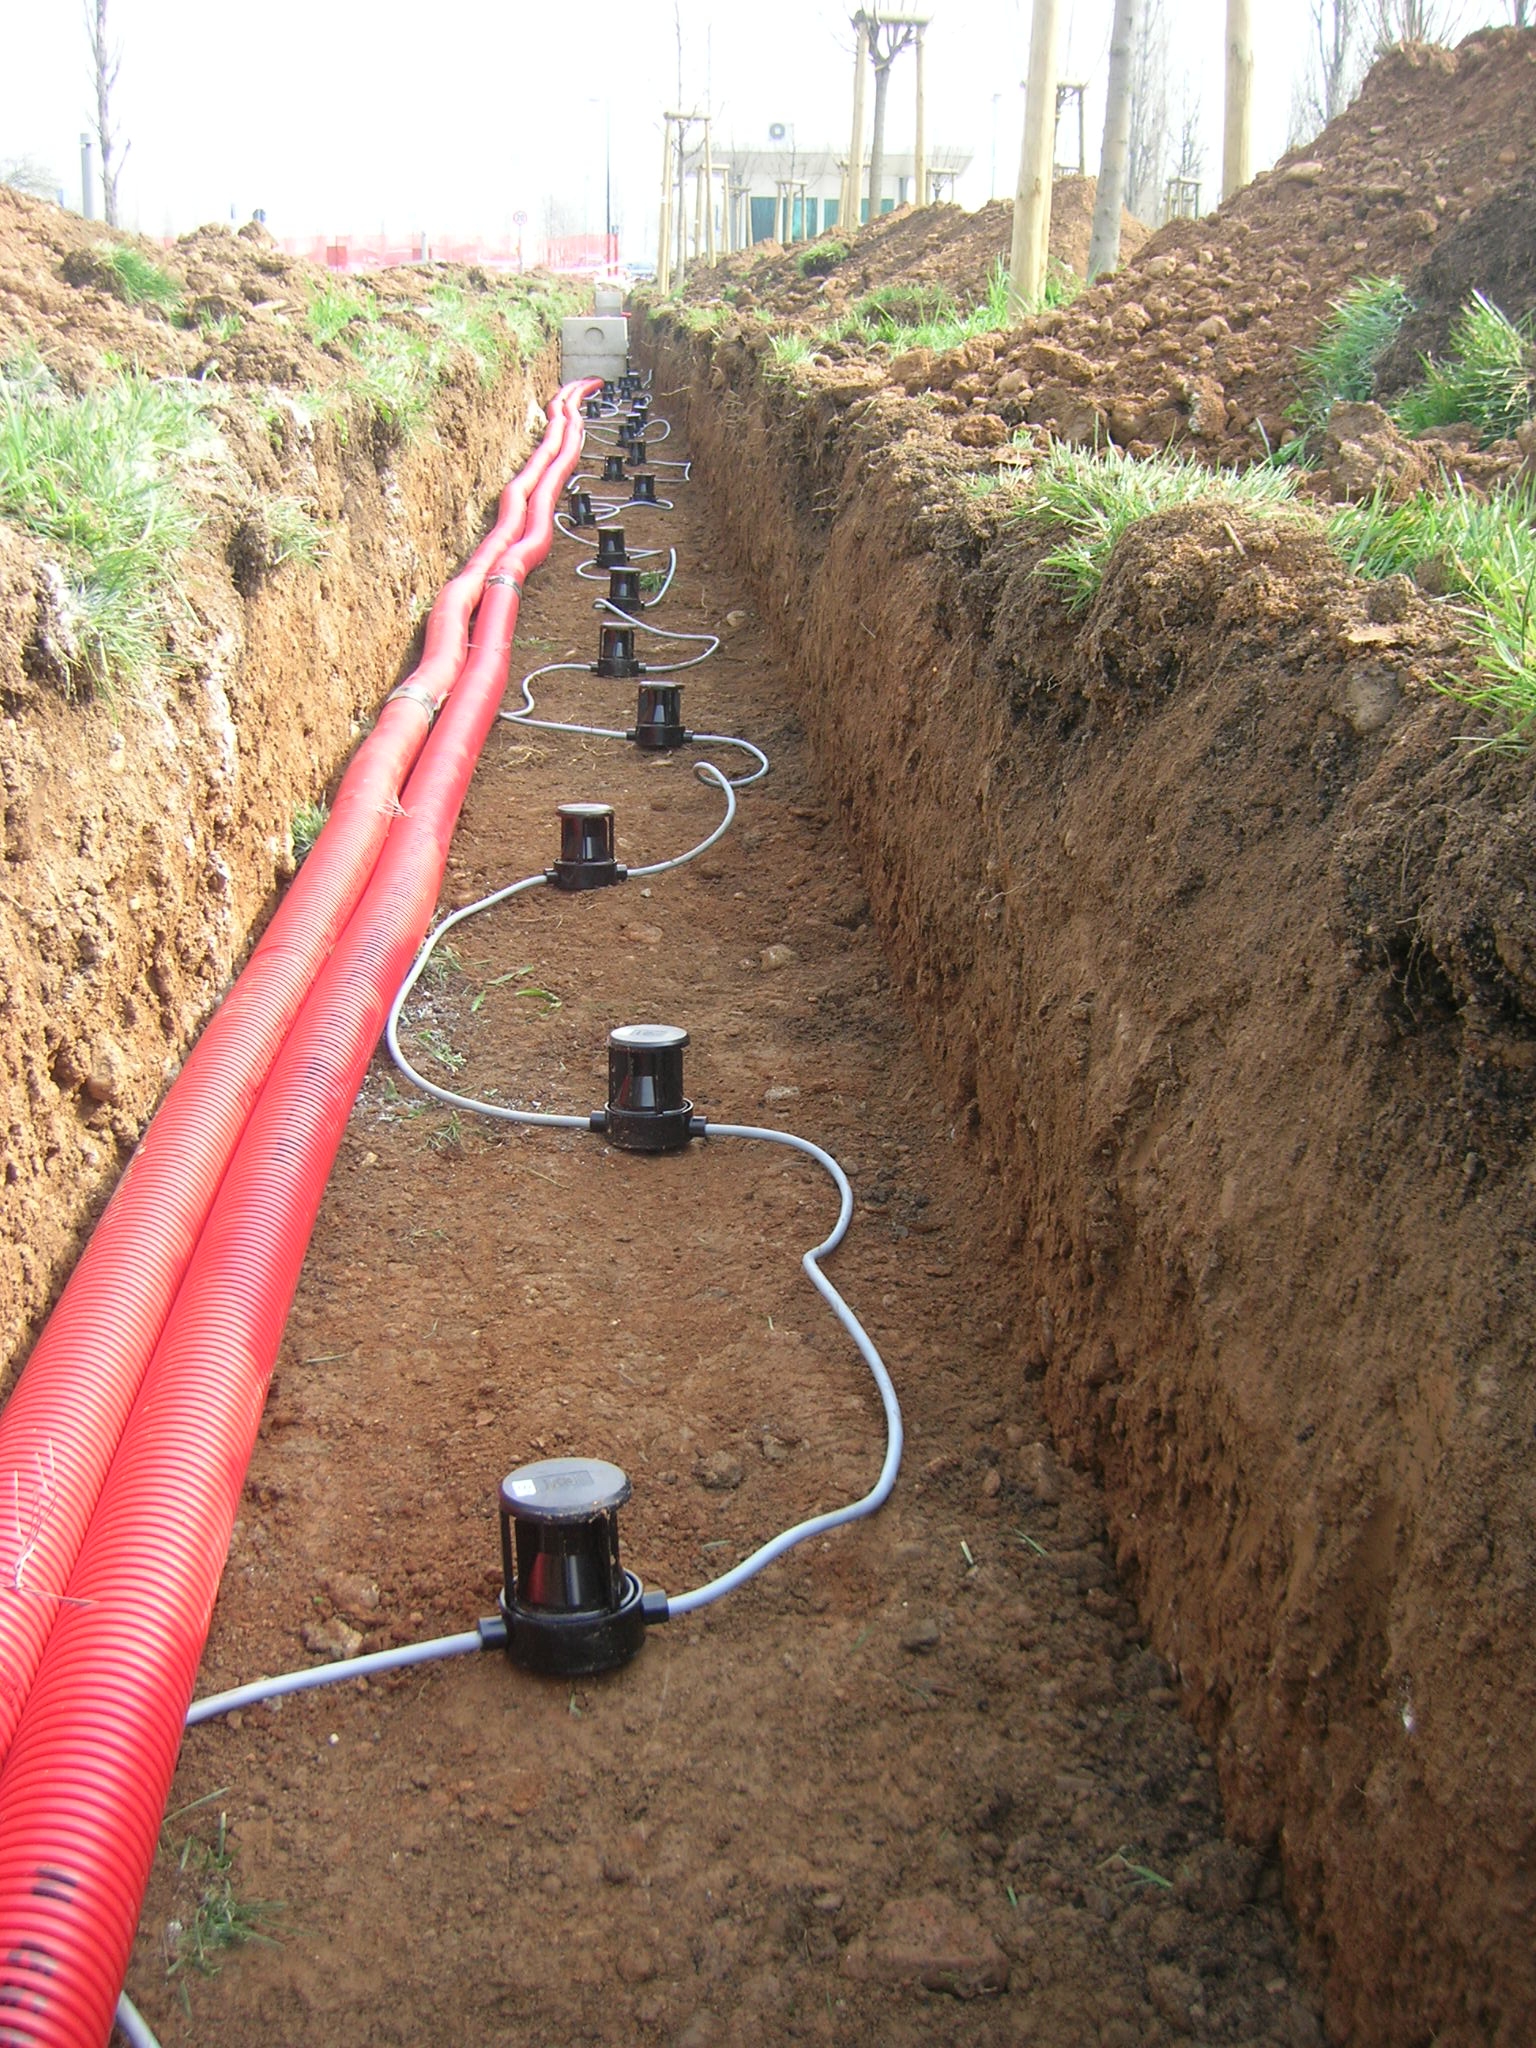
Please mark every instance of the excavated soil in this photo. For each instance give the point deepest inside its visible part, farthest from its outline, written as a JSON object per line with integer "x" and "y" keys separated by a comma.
{"x": 1221, "y": 939}
{"x": 1194, "y": 341}
{"x": 141, "y": 838}
{"x": 940, "y": 245}
{"x": 924, "y": 1781}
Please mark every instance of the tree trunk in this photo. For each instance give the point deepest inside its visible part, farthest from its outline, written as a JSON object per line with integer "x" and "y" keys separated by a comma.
{"x": 877, "y": 139}
{"x": 1032, "y": 200}
{"x": 1237, "y": 131}
{"x": 848, "y": 213}
{"x": 104, "y": 69}
{"x": 1104, "y": 250}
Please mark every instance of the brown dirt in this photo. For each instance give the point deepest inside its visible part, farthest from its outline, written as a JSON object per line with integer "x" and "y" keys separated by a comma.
{"x": 141, "y": 840}
{"x": 1223, "y": 941}
{"x": 936, "y": 1743}
{"x": 939, "y": 245}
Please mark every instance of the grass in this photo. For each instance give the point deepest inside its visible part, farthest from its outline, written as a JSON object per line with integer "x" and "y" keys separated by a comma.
{"x": 1093, "y": 496}
{"x": 1488, "y": 381}
{"x": 820, "y": 258}
{"x": 788, "y": 350}
{"x": 139, "y": 281}
{"x": 334, "y": 308}
{"x": 907, "y": 316}
{"x": 471, "y": 324}
{"x": 221, "y": 330}
{"x": 1481, "y": 552}
{"x": 100, "y": 479}
{"x": 1341, "y": 363}
{"x": 292, "y": 533}
{"x": 309, "y": 821}
{"x": 220, "y": 1920}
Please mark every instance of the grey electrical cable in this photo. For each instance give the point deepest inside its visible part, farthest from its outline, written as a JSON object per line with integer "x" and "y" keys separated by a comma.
{"x": 662, "y": 633}
{"x": 448, "y": 1095}
{"x": 817, "y": 1525}
{"x": 610, "y": 732}
{"x": 132, "y": 2025}
{"x": 399, "y": 1659}
{"x": 540, "y": 1119}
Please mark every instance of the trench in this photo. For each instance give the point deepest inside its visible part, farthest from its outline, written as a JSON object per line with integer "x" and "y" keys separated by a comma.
{"x": 923, "y": 1780}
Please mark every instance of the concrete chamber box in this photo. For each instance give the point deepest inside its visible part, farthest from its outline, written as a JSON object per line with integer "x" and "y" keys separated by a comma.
{"x": 596, "y": 345}
{"x": 608, "y": 298}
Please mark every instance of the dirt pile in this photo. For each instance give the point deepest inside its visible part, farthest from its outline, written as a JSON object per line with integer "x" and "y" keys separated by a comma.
{"x": 1222, "y": 941}
{"x": 1194, "y": 342}
{"x": 143, "y": 834}
{"x": 939, "y": 245}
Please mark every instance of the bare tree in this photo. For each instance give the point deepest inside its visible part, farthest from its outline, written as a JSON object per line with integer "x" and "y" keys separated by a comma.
{"x": 26, "y": 174}
{"x": 1413, "y": 21}
{"x": 106, "y": 62}
{"x": 882, "y": 55}
{"x": 1521, "y": 13}
{"x": 1147, "y": 154}
{"x": 1109, "y": 202}
{"x": 1336, "y": 50}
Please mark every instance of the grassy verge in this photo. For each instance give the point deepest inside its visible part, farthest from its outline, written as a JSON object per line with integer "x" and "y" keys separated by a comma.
{"x": 1481, "y": 554}
{"x": 1092, "y": 497}
{"x": 398, "y": 353}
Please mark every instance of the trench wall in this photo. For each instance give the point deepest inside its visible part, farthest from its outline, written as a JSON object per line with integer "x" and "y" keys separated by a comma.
{"x": 1222, "y": 945}
{"x": 142, "y": 841}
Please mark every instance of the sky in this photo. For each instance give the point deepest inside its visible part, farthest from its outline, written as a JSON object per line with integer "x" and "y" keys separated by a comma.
{"x": 342, "y": 119}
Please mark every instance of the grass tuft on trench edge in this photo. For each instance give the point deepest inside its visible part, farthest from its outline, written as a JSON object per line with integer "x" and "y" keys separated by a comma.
{"x": 1340, "y": 366}
{"x": 99, "y": 478}
{"x": 1487, "y": 381}
{"x": 1478, "y": 553}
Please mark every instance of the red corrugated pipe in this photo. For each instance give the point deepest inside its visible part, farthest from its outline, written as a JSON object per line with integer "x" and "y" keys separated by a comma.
{"x": 84, "y": 1787}
{"x": 63, "y": 1420}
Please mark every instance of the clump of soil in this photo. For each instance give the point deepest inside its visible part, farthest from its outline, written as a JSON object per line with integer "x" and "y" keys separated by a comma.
{"x": 942, "y": 246}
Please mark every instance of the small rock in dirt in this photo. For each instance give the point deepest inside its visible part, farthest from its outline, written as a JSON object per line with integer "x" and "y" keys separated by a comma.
{"x": 108, "y": 1076}
{"x": 332, "y": 1639}
{"x": 773, "y": 957}
{"x": 1367, "y": 701}
{"x": 921, "y": 1637}
{"x": 781, "y": 1091}
{"x": 719, "y": 1473}
{"x": 979, "y": 430}
{"x": 992, "y": 1485}
{"x": 829, "y": 1903}
{"x": 1040, "y": 1472}
{"x": 353, "y": 1594}
{"x": 735, "y": 620}
{"x": 702, "y": 2031}
{"x": 929, "y": 1941}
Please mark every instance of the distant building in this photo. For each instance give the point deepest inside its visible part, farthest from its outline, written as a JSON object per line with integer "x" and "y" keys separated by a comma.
{"x": 793, "y": 195}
